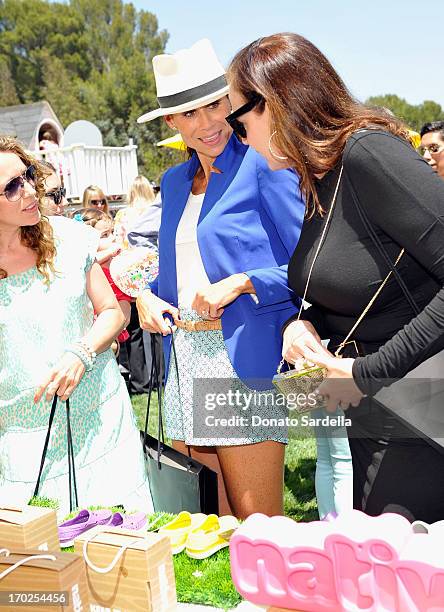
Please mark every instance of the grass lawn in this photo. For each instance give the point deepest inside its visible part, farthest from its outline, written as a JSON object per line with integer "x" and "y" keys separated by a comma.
{"x": 300, "y": 458}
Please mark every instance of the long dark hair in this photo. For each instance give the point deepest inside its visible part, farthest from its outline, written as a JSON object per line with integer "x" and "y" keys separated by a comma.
{"x": 310, "y": 107}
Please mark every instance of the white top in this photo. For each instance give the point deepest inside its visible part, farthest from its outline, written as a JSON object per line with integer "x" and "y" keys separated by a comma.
{"x": 191, "y": 275}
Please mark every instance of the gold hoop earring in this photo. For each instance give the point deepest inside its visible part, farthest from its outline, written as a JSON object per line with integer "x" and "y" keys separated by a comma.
{"x": 275, "y": 155}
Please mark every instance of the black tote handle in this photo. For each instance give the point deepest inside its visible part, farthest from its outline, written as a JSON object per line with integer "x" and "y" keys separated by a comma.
{"x": 45, "y": 447}
{"x": 71, "y": 468}
{"x": 154, "y": 377}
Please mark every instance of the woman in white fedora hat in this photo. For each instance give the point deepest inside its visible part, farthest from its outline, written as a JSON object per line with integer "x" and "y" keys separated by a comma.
{"x": 228, "y": 228}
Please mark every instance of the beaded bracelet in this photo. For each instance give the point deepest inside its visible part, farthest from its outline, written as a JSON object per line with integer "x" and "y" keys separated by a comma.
{"x": 84, "y": 353}
{"x": 92, "y": 354}
{"x": 77, "y": 350}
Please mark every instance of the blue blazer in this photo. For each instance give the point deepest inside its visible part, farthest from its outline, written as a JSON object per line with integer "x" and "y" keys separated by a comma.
{"x": 250, "y": 222}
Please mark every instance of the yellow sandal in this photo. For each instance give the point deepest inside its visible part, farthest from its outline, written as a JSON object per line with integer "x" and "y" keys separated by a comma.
{"x": 212, "y": 535}
{"x": 179, "y": 528}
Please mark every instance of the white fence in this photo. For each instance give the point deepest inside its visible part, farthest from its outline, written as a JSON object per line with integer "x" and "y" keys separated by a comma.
{"x": 111, "y": 168}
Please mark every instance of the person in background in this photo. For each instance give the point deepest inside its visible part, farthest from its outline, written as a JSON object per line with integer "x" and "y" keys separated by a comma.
{"x": 94, "y": 196}
{"x": 432, "y": 145}
{"x": 50, "y": 345}
{"x": 354, "y": 161}
{"x": 144, "y": 232}
{"x": 228, "y": 227}
{"x": 54, "y": 201}
{"x": 140, "y": 196}
{"x": 107, "y": 249}
{"x": 48, "y": 141}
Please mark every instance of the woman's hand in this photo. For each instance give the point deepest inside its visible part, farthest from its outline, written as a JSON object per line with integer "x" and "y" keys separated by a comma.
{"x": 62, "y": 379}
{"x": 302, "y": 342}
{"x": 151, "y": 311}
{"x": 339, "y": 388}
{"x": 209, "y": 302}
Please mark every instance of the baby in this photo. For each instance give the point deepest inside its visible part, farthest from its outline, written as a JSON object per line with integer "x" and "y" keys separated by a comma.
{"x": 107, "y": 249}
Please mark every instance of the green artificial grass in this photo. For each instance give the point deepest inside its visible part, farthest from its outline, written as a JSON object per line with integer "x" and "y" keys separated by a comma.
{"x": 207, "y": 581}
{"x": 44, "y": 502}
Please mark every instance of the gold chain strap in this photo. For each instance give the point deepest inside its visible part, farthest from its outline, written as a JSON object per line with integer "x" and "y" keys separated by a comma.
{"x": 321, "y": 241}
{"x": 367, "y": 308}
{"x": 324, "y": 231}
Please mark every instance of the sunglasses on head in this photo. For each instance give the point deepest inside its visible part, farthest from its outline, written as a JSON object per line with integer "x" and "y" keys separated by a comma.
{"x": 56, "y": 195}
{"x": 14, "y": 188}
{"x": 98, "y": 202}
{"x": 232, "y": 119}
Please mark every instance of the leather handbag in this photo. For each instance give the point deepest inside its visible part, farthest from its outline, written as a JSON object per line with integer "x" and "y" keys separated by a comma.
{"x": 72, "y": 482}
{"x": 177, "y": 481}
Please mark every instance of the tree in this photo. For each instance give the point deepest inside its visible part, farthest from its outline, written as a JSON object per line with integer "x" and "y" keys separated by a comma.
{"x": 91, "y": 59}
{"x": 8, "y": 94}
{"x": 414, "y": 116}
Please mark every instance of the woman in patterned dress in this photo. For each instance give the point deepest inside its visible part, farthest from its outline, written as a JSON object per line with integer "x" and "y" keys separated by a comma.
{"x": 50, "y": 285}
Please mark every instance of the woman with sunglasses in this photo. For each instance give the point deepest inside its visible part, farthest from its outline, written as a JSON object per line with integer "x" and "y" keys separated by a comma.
{"x": 94, "y": 196}
{"x": 374, "y": 208}
{"x": 50, "y": 284}
{"x": 228, "y": 227}
{"x": 54, "y": 200}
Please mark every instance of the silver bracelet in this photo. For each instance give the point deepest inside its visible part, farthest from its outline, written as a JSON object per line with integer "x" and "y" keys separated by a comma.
{"x": 87, "y": 348}
{"x": 77, "y": 350}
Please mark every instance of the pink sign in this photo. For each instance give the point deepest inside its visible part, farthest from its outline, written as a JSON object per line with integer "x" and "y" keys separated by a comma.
{"x": 356, "y": 562}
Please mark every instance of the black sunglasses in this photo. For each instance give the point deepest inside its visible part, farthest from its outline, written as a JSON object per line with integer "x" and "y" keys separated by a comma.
{"x": 98, "y": 202}
{"x": 57, "y": 195}
{"x": 13, "y": 190}
{"x": 232, "y": 119}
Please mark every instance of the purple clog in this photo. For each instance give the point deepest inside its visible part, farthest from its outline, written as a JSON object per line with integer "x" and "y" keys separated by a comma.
{"x": 128, "y": 521}
{"x": 79, "y": 524}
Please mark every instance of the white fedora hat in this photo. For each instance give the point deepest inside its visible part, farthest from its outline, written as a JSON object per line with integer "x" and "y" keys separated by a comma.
{"x": 188, "y": 79}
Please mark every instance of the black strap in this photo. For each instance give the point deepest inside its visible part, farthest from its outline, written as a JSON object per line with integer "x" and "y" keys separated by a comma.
{"x": 154, "y": 376}
{"x": 71, "y": 468}
{"x": 377, "y": 241}
{"x": 45, "y": 447}
{"x": 155, "y": 379}
{"x": 73, "y": 502}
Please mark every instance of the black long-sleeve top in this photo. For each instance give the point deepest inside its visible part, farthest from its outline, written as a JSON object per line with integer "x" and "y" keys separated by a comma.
{"x": 404, "y": 201}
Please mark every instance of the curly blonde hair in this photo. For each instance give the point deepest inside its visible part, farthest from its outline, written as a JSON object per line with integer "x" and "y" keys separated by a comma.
{"x": 38, "y": 237}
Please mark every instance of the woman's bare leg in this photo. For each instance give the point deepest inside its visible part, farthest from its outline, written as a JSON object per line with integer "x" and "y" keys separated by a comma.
{"x": 254, "y": 477}
{"x": 208, "y": 456}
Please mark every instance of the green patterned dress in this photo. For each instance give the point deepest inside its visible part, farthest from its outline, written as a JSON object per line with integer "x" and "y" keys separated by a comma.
{"x": 37, "y": 322}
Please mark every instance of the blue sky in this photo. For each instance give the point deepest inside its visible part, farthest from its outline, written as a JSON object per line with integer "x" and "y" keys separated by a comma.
{"x": 377, "y": 46}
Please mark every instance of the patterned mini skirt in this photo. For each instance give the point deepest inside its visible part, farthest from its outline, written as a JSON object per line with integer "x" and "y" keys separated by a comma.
{"x": 210, "y": 405}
